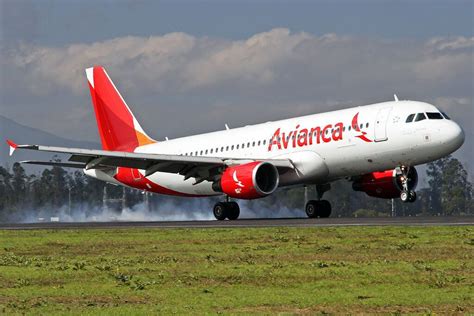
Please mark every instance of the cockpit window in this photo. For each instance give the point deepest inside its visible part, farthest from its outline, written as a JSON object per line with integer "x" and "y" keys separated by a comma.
{"x": 434, "y": 115}
{"x": 420, "y": 117}
{"x": 410, "y": 118}
{"x": 445, "y": 116}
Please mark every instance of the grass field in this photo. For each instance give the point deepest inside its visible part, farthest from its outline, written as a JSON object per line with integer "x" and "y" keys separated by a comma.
{"x": 270, "y": 270}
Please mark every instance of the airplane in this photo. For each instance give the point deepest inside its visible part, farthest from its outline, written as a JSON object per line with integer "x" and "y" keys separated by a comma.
{"x": 376, "y": 147}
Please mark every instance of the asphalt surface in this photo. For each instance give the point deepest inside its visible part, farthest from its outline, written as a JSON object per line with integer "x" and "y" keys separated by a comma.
{"x": 280, "y": 222}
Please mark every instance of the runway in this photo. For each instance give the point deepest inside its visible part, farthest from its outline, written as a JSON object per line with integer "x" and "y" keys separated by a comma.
{"x": 276, "y": 222}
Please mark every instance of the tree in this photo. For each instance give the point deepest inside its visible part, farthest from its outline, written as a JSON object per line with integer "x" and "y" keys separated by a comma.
{"x": 6, "y": 192}
{"x": 451, "y": 191}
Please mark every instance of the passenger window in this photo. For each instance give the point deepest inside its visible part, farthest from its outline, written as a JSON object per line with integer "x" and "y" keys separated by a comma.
{"x": 420, "y": 117}
{"x": 206, "y": 151}
{"x": 200, "y": 153}
{"x": 361, "y": 126}
{"x": 367, "y": 125}
{"x": 264, "y": 141}
{"x": 253, "y": 144}
{"x": 434, "y": 115}
{"x": 410, "y": 118}
{"x": 222, "y": 149}
{"x": 258, "y": 143}
{"x": 349, "y": 128}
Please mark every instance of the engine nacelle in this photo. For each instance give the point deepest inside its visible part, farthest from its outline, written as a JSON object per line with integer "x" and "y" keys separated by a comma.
{"x": 385, "y": 184}
{"x": 249, "y": 181}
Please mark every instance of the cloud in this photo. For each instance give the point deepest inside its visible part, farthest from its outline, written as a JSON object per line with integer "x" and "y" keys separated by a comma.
{"x": 181, "y": 62}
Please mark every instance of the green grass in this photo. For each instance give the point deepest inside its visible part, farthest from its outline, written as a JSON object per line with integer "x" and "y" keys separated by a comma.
{"x": 247, "y": 270}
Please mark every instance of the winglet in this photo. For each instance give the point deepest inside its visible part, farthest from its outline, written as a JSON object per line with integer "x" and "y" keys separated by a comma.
{"x": 12, "y": 145}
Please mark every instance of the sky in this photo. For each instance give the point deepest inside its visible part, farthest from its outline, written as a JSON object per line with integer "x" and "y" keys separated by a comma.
{"x": 186, "y": 67}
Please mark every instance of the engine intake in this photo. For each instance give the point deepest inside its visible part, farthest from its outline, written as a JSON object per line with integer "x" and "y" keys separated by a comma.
{"x": 385, "y": 184}
{"x": 248, "y": 181}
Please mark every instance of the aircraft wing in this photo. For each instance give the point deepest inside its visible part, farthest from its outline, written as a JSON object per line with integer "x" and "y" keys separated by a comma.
{"x": 202, "y": 168}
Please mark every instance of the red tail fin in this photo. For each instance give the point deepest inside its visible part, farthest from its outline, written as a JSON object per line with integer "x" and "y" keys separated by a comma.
{"x": 118, "y": 128}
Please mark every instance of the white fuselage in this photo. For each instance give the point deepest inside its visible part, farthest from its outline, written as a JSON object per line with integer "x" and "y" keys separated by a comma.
{"x": 335, "y": 149}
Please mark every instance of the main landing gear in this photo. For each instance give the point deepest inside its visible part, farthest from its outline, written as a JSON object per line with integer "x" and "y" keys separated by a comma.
{"x": 228, "y": 209}
{"x": 318, "y": 208}
{"x": 407, "y": 195}
{"x": 314, "y": 208}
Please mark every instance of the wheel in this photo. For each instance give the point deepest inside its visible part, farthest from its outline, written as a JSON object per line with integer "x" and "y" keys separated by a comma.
{"x": 233, "y": 211}
{"x": 311, "y": 208}
{"x": 319, "y": 209}
{"x": 220, "y": 211}
{"x": 412, "y": 196}
{"x": 324, "y": 208}
{"x": 404, "y": 196}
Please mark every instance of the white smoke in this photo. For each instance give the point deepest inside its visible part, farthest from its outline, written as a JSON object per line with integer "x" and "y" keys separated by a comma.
{"x": 168, "y": 209}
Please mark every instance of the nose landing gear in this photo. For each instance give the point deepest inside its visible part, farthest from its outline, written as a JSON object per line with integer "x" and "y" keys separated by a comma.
{"x": 407, "y": 194}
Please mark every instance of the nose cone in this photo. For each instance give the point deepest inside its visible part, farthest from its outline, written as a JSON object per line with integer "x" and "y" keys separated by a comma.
{"x": 454, "y": 136}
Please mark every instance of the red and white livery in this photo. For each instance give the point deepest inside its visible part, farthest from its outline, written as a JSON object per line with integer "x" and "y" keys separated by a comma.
{"x": 374, "y": 146}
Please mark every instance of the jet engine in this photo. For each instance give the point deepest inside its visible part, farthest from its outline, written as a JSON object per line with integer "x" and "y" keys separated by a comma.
{"x": 385, "y": 184}
{"x": 248, "y": 181}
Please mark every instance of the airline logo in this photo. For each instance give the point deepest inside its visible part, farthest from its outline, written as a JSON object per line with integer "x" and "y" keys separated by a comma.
{"x": 301, "y": 137}
{"x": 356, "y": 127}
{"x": 237, "y": 182}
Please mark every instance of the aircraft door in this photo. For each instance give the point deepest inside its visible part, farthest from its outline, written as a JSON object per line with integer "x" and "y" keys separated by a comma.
{"x": 381, "y": 124}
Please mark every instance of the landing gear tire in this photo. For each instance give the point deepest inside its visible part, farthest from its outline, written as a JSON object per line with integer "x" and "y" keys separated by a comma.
{"x": 319, "y": 209}
{"x": 404, "y": 196}
{"x": 325, "y": 208}
{"x": 234, "y": 211}
{"x": 407, "y": 196}
{"x": 311, "y": 207}
{"x": 220, "y": 211}
{"x": 223, "y": 210}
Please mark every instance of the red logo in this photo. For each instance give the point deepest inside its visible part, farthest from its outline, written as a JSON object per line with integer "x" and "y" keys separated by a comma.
{"x": 237, "y": 182}
{"x": 356, "y": 127}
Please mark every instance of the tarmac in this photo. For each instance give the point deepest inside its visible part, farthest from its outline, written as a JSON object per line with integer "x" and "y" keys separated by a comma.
{"x": 241, "y": 223}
